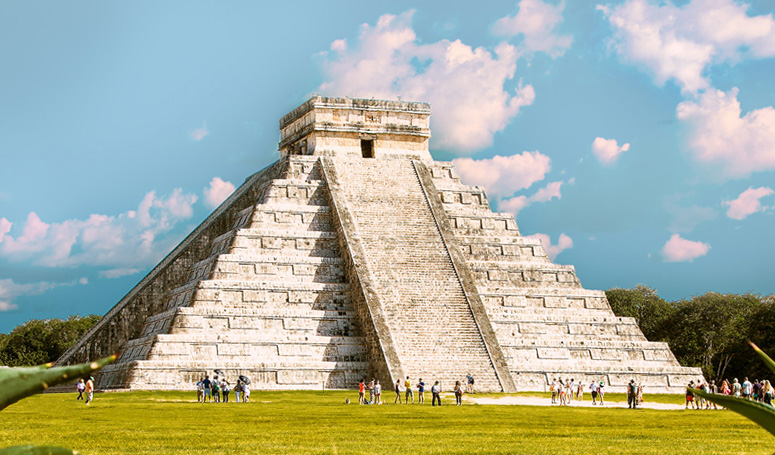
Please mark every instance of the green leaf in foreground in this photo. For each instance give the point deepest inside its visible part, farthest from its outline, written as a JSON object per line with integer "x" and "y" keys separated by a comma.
{"x": 762, "y": 414}
{"x": 18, "y": 383}
{"x": 767, "y": 360}
{"x": 37, "y": 450}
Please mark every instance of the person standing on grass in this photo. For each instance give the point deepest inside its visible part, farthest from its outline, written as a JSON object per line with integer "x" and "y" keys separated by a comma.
{"x": 245, "y": 392}
{"x": 80, "y": 387}
{"x": 398, "y": 392}
{"x": 216, "y": 385}
{"x": 579, "y": 391}
{"x": 409, "y": 391}
{"x": 200, "y": 392}
{"x": 237, "y": 390}
{"x": 767, "y": 392}
{"x": 89, "y": 390}
{"x": 712, "y": 388}
{"x": 470, "y": 379}
{"x": 725, "y": 389}
{"x": 361, "y": 391}
{"x": 747, "y": 389}
{"x": 553, "y": 389}
{"x": 632, "y": 394}
{"x": 378, "y": 392}
{"x": 421, "y": 392}
{"x": 601, "y": 393}
{"x": 736, "y": 388}
{"x": 207, "y": 388}
{"x": 458, "y": 394}
{"x": 561, "y": 392}
{"x": 225, "y": 390}
{"x": 371, "y": 391}
{"x": 689, "y": 396}
{"x": 436, "y": 392}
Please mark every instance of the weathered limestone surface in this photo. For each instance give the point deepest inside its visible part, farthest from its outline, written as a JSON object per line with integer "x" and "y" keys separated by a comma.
{"x": 357, "y": 255}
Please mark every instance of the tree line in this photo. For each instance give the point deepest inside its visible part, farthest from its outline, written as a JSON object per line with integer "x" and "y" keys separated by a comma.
{"x": 40, "y": 341}
{"x": 710, "y": 331}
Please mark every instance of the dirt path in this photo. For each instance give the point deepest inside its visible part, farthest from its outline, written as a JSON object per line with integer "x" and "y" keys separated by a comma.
{"x": 587, "y": 403}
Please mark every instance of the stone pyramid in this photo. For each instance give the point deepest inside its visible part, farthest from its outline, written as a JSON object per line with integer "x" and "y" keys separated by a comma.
{"x": 357, "y": 255}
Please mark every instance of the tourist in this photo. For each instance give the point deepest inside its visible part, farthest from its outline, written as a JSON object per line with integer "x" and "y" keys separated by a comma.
{"x": 561, "y": 392}
{"x": 712, "y": 388}
{"x": 398, "y": 392}
{"x": 377, "y": 392}
{"x": 689, "y": 396}
{"x": 216, "y": 388}
{"x": 594, "y": 388}
{"x": 435, "y": 391}
{"x": 579, "y": 391}
{"x": 238, "y": 390}
{"x": 420, "y": 392}
{"x": 409, "y": 391}
{"x": 89, "y": 390}
{"x": 458, "y": 394}
{"x": 601, "y": 393}
{"x": 80, "y": 387}
{"x": 200, "y": 392}
{"x": 553, "y": 389}
{"x": 736, "y": 388}
{"x": 767, "y": 393}
{"x": 371, "y": 391}
{"x": 632, "y": 394}
{"x": 725, "y": 388}
{"x": 756, "y": 390}
{"x": 470, "y": 378}
{"x": 207, "y": 384}
{"x": 245, "y": 392}
{"x": 361, "y": 392}
{"x": 747, "y": 386}
{"x": 225, "y": 390}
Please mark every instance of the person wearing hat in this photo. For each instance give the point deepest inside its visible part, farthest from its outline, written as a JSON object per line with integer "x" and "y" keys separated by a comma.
{"x": 89, "y": 390}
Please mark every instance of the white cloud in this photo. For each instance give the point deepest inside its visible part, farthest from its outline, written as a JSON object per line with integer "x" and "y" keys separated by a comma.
{"x": 200, "y": 133}
{"x": 748, "y": 203}
{"x": 680, "y": 43}
{"x": 118, "y": 273}
{"x": 563, "y": 243}
{"x": 536, "y": 22}
{"x": 504, "y": 175}
{"x": 5, "y": 228}
{"x": 545, "y": 194}
{"x": 84, "y": 281}
{"x": 131, "y": 239}
{"x": 465, "y": 85}
{"x": 607, "y": 151}
{"x": 718, "y": 134}
{"x": 678, "y": 249}
{"x": 9, "y": 290}
{"x": 217, "y": 192}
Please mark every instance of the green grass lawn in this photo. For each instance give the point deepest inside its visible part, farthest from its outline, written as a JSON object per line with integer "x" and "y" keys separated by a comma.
{"x": 320, "y": 423}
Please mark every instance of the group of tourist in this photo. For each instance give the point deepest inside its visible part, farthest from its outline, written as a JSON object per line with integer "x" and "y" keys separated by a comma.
{"x": 85, "y": 386}
{"x": 757, "y": 390}
{"x": 567, "y": 391}
{"x": 218, "y": 390}
{"x": 374, "y": 390}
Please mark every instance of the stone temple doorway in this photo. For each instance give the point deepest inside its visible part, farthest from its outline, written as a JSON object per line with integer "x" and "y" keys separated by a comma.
{"x": 367, "y": 148}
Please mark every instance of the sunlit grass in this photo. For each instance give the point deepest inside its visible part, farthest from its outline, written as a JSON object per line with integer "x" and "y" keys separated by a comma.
{"x": 321, "y": 423}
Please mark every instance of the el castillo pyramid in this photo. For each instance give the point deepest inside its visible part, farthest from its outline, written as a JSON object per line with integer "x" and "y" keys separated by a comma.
{"x": 357, "y": 255}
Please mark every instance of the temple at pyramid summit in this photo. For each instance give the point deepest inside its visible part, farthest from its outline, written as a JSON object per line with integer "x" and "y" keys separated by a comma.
{"x": 356, "y": 255}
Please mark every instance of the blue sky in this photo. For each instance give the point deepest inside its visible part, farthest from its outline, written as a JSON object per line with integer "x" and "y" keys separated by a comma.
{"x": 636, "y": 138}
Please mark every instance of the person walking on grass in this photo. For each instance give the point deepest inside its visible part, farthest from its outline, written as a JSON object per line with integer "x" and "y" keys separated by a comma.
{"x": 398, "y": 392}
{"x": 409, "y": 391}
{"x": 736, "y": 388}
{"x": 458, "y": 394}
{"x": 89, "y": 390}
{"x": 747, "y": 388}
{"x": 420, "y": 392}
{"x": 601, "y": 393}
{"x": 377, "y": 392}
{"x": 361, "y": 392}
{"x": 436, "y": 392}
{"x": 80, "y": 387}
{"x": 553, "y": 389}
{"x": 579, "y": 391}
{"x": 594, "y": 388}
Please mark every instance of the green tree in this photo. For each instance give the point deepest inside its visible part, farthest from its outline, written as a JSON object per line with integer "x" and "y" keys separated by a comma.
{"x": 650, "y": 311}
{"x": 41, "y": 341}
